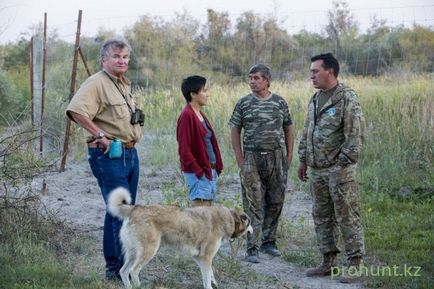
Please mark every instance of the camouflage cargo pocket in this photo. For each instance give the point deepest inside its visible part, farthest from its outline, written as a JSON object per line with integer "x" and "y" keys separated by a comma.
{"x": 249, "y": 164}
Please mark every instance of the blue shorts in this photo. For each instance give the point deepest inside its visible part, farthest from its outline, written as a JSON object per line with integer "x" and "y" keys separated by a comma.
{"x": 202, "y": 188}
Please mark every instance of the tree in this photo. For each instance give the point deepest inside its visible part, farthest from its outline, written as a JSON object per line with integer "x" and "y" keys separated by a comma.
{"x": 306, "y": 45}
{"x": 279, "y": 48}
{"x": 146, "y": 39}
{"x": 217, "y": 26}
{"x": 374, "y": 54}
{"x": 418, "y": 48}
{"x": 179, "y": 46}
{"x": 249, "y": 40}
{"x": 163, "y": 51}
{"x": 14, "y": 55}
{"x": 215, "y": 48}
{"x": 342, "y": 29}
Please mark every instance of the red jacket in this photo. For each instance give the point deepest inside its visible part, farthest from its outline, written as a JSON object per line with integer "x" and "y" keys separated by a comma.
{"x": 192, "y": 150}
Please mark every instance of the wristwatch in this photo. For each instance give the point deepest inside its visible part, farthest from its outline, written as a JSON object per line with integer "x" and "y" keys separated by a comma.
{"x": 100, "y": 135}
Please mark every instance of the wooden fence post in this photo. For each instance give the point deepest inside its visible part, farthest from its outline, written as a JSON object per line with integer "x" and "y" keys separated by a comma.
{"x": 71, "y": 92}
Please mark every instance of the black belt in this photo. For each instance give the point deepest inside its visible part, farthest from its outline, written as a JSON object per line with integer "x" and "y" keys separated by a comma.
{"x": 213, "y": 165}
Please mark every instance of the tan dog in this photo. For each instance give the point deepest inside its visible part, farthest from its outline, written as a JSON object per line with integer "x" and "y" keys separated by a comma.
{"x": 197, "y": 232}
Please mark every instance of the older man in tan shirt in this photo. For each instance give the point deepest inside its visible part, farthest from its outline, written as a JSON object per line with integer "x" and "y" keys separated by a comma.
{"x": 104, "y": 107}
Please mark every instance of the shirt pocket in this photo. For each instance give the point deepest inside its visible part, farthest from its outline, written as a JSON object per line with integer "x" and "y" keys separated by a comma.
{"x": 117, "y": 109}
{"x": 332, "y": 117}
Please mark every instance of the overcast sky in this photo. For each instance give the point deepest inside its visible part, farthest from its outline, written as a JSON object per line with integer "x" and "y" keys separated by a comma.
{"x": 17, "y": 16}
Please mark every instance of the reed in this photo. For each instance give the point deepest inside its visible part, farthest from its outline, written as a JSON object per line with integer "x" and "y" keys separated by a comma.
{"x": 399, "y": 136}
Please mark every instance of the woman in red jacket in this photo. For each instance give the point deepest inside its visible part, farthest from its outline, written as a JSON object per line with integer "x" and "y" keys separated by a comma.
{"x": 198, "y": 150}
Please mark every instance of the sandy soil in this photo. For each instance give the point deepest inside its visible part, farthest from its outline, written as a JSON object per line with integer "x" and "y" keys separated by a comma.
{"x": 74, "y": 197}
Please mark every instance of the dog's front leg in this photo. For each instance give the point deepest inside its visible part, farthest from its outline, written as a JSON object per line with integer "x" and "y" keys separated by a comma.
{"x": 125, "y": 275}
{"x": 213, "y": 281}
{"x": 206, "y": 270}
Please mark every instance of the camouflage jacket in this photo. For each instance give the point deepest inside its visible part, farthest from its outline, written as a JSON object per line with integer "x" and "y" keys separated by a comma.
{"x": 335, "y": 136}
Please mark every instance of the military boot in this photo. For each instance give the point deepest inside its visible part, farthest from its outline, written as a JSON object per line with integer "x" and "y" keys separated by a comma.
{"x": 325, "y": 269}
{"x": 270, "y": 249}
{"x": 353, "y": 272}
{"x": 252, "y": 255}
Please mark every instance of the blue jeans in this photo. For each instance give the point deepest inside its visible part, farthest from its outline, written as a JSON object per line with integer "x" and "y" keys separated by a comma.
{"x": 110, "y": 174}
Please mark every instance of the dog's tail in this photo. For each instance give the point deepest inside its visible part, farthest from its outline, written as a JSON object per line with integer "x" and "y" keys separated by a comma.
{"x": 119, "y": 203}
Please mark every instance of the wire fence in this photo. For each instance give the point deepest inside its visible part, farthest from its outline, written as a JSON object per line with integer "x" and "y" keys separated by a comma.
{"x": 165, "y": 51}
{"x": 164, "y": 48}
{"x": 292, "y": 21}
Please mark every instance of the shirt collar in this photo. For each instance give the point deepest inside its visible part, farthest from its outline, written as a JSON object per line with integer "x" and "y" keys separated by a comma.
{"x": 122, "y": 79}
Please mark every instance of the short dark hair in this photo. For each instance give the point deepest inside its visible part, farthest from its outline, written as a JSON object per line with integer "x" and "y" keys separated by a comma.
{"x": 192, "y": 84}
{"x": 263, "y": 69}
{"x": 329, "y": 61}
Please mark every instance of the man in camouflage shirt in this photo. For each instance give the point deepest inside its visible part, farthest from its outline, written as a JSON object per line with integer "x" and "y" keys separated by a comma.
{"x": 330, "y": 147}
{"x": 263, "y": 160}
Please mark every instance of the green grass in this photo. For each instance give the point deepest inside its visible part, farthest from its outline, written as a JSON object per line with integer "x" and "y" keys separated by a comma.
{"x": 31, "y": 264}
{"x": 298, "y": 242}
{"x": 395, "y": 174}
{"x": 34, "y": 256}
{"x": 400, "y": 233}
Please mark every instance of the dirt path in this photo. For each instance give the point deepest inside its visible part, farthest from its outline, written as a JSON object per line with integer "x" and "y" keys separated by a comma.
{"x": 74, "y": 197}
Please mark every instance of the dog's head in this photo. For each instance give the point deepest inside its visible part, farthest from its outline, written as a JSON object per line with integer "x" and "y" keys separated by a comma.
{"x": 242, "y": 224}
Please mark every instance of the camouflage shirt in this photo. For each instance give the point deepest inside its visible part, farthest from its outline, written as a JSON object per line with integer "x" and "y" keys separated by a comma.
{"x": 335, "y": 135}
{"x": 263, "y": 121}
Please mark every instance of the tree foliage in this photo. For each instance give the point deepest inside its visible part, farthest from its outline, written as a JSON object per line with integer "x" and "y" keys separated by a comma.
{"x": 165, "y": 51}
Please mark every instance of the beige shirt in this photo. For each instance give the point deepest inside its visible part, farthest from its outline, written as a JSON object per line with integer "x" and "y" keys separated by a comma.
{"x": 100, "y": 100}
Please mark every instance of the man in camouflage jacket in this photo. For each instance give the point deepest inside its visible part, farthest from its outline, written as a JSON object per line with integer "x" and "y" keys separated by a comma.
{"x": 263, "y": 160}
{"x": 330, "y": 147}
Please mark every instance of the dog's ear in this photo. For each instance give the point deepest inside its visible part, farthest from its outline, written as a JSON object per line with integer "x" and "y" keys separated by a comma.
{"x": 237, "y": 219}
{"x": 242, "y": 222}
{"x": 245, "y": 218}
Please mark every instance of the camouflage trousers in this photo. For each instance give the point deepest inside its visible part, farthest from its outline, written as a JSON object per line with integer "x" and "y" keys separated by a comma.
{"x": 263, "y": 181}
{"x": 336, "y": 206}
